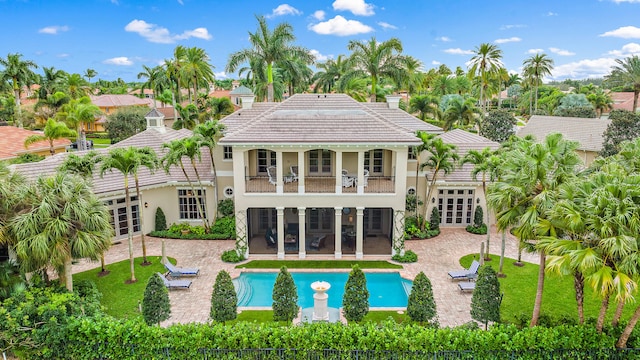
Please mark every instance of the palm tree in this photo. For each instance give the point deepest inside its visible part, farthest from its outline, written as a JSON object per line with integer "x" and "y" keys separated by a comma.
{"x": 196, "y": 69}
{"x": 217, "y": 108}
{"x": 19, "y": 73}
{"x": 487, "y": 58}
{"x": 11, "y": 200}
{"x": 64, "y": 221}
{"x": 53, "y": 130}
{"x": 50, "y": 105}
{"x": 425, "y": 105}
{"x": 189, "y": 148}
{"x": 411, "y": 78}
{"x": 269, "y": 47}
{"x": 376, "y": 60}
{"x": 530, "y": 175}
{"x": 208, "y": 134}
{"x": 481, "y": 161}
{"x": 156, "y": 80}
{"x": 50, "y": 81}
{"x": 535, "y": 68}
{"x": 295, "y": 73}
{"x": 173, "y": 73}
{"x": 462, "y": 111}
{"x": 601, "y": 101}
{"x": 90, "y": 74}
{"x": 627, "y": 74}
{"x": 75, "y": 85}
{"x": 443, "y": 85}
{"x": 329, "y": 73}
{"x": 78, "y": 112}
{"x": 442, "y": 158}
{"x": 189, "y": 117}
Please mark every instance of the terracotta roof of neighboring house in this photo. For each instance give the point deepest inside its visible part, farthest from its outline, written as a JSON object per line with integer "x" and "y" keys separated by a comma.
{"x": 118, "y": 100}
{"x": 29, "y": 91}
{"x": 622, "y": 100}
{"x": 113, "y": 181}
{"x": 241, "y": 90}
{"x": 101, "y": 120}
{"x": 220, "y": 93}
{"x": 464, "y": 142}
{"x": 167, "y": 111}
{"x": 12, "y": 142}
{"x": 587, "y": 131}
{"x": 137, "y": 92}
{"x": 322, "y": 119}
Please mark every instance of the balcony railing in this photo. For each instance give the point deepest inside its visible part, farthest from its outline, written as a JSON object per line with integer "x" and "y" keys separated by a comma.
{"x": 321, "y": 184}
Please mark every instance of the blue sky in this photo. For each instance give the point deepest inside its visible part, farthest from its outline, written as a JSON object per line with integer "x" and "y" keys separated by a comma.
{"x": 117, "y": 37}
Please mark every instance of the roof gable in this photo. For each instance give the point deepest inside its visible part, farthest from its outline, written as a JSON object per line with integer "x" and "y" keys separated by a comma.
{"x": 587, "y": 131}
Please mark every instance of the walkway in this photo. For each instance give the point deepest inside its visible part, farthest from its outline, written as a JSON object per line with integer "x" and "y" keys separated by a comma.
{"x": 436, "y": 256}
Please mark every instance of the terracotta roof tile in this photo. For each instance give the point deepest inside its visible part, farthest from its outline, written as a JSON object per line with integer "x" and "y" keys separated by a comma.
{"x": 587, "y": 131}
{"x": 12, "y": 142}
{"x": 119, "y": 100}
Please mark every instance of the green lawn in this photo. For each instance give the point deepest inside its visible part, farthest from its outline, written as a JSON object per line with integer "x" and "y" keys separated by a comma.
{"x": 100, "y": 143}
{"x": 266, "y": 316}
{"x": 119, "y": 299}
{"x": 317, "y": 264}
{"x": 558, "y": 299}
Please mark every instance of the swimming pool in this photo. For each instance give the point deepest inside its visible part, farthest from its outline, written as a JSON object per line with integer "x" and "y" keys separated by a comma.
{"x": 385, "y": 289}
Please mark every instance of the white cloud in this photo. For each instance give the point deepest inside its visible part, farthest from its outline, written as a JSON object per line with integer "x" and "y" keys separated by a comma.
{"x": 386, "y": 26}
{"x": 561, "y": 52}
{"x": 341, "y": 27}
{"x": 443, "y": 38}
{"x": 627, "y": 50}
{"x": 622, "y": 1}
{"x": 53, "y": 30}
{"x": 284, "y": 9}
{"x": 507, "y": 40}
{"x": 120, "y": 61}
{"x": 587, "y": 68}
{"x": 357, "y": 7}
{"x": 535, "y": 51}
{"x": 319, "y": 15}
{"x": 512, "y": 26}
{"x": 435, "y": 62}
{"x": 319, "y": 56}
{"x": 180, "y": 2}
{"x": 220, "y": 75}
{"x": 551, "y": 13}
{"x": 625, "y": 32}
{"x": 458, "y": 51}
{"x": 63, "y": 55}
{"x": 158, "y": 34}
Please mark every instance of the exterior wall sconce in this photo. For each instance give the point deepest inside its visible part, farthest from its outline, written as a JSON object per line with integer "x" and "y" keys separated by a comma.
{"x": 433, "y": 200}
{"x": 350, "y": 218}
{"x": 478, "y": 201}
{"x": 146, "y": 204}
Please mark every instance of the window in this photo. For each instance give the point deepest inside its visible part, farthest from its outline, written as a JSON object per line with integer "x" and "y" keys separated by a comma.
{"x": 455, "y": 207}
{"x": 228, "y": 192}
{"x": 321, "y": 219}
{"x": 188, "y": 204}
{"x": 376, "y": 166}
{"x": 320, "y": 162}
{"x": 412, "y": 154}
{"x": 266, "y": 158}
{"x": 228, "y": 152}
{"x": 118, "y": 215}
{"x": 411, "y": 190}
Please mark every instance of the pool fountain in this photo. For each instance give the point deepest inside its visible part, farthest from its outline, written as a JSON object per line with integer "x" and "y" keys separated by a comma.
{"x": 320, "y": 311}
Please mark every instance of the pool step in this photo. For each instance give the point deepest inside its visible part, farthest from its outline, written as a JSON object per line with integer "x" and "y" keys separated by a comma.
{"x": 243, "y": 290}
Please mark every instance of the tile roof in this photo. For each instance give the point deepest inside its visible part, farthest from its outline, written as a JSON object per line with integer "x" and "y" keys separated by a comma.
{"x": 113, "y": 181}
{"x": 322, "y": 119}
{"x": 587, "y": 131}
{"x": 622, "y": 100}
{"x": 119, "y": 100}
{"x": 12, "y": 142}
{"x": 241, "y": 90}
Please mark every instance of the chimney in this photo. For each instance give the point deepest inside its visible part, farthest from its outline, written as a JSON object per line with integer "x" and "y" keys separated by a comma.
{"x": 393, "y": 101}
{"x": 155, "y": 120}
{"x": 247, "y": 101}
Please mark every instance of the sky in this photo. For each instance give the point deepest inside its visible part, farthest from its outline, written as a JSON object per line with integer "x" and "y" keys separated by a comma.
{"x": 117, "y": 37}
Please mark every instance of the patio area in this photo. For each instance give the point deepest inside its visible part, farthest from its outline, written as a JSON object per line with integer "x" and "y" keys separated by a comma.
{"x": 436, "y": 257}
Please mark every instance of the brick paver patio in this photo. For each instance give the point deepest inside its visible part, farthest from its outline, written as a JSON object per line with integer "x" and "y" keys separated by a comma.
{"x": 436, "y": 256}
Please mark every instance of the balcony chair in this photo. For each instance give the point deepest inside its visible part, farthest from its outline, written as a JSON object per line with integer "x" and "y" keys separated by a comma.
{"x": 271, "y": 171}
{"x": 294, "y": 172}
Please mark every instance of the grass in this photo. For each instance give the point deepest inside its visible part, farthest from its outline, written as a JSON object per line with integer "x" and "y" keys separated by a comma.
{"x": 100, "y": 143}
{"x": 266, "y": 316}
{"x": 119, "y": 299}
{"x": 259, "y": 316}
{"x": 317, "y": 264}
{"x": 381, "y": 316}
{"x": 558, "y": 298}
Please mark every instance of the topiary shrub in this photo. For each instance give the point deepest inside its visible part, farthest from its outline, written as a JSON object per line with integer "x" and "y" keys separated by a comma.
{"x": 224, "y": 301}
{"x": 285, "y": 297}
{"x": 226, "y": 207}
{"x": 485, "y": 302}
{"x": 434, "y": 220}
{"x": 155, "y": 303}
{"x": 408, "y": 257}
{"x": 231, "y": 256}
{"x": 421, "y": 306}
{"x": 161, "y": 220}
{"x": 355, "y": 301}
{"x": 478, "y": 227}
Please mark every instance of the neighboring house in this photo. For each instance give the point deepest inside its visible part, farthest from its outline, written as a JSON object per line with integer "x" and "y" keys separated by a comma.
{"x": 588, "y": 132}
{"x": 147, "y": 93}
{"x": 622, "y": 101}
{"x": 237, "y": 93}
{"x": 12, "y": 143}
{"x": 109, "y": 104}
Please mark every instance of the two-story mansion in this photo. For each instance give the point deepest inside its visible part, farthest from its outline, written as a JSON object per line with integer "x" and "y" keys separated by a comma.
{"x": 314, "y": 174}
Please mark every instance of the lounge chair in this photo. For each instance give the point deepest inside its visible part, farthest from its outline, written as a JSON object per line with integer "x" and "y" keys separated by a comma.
{"x": 177, "y": 272}
{"x": 271, "y": 171}
{"x": 347, "y": 181}
{"x": 466, "y": 273}
{"x": 317, "y": 242}
{"x": 175, "y": 284}
{"x": 467, "y": 285}
{"x": 271, "y": 237}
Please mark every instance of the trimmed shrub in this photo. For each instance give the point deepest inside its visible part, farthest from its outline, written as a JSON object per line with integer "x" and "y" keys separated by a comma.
{"x": 155, "y": 303}
{"x": 231, "y": 256}
{"x": 161, "y": 220}
{"x": 285, "y": 297}
{"x": 434, "y": 220}
{"x": 421, "y": 306}
{"x": 485, "y": 302}
{"x": 478, "y": 227}
{"x": 408, "y": 257}
{"x": 355, "y": 301}
{"x": 226, "y": 207}
{"x": 224, "y": 301}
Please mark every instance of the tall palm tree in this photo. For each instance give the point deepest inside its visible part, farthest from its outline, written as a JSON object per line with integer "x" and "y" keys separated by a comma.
{"x": 441, "y": 157}
{"x": 208, "y": 135}
{"x": 53, "y": 130}
{"x": 627, "y": 74}
{"x": 50, "y": 81}
{"x": 535, "y": 68}
{"x": 19, "y": 73}
{"x": 156, "y": 80}
{"x": 425, "y": 105}
{"x": 295, "y": 74}
{"x": 462, "y": 111}
{"x": 412, "y": 77}
{"x": 527, "y": 188}
{"x": 78, "y": 112}
{"x": 75, "y": 86}
{"x": 196, "y": 69}
{"x": 487, "y": 58}
{"x": 50, "y": 105}
{"x": 376, "y": 60}
{"x": 601, "y": 101}
{"x": 64, "y": 221}
{"x": 173, "y": 68}
{"x": 90, "y": 74}
{"x": 11, "y": 200}
{"x": 443, "y": 85}
{"x": 269, "y": 47}
{"x": 329, "y": 73}
{"x": 216, "y": 108}
{"x": 189, "y": 148}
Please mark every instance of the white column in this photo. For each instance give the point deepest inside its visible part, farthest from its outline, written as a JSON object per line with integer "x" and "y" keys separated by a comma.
{"x": 400, "y": 166}
{"x": 338, "y": 172}
{"x": 360, "y": 172}
{"x": 280, "y": 226}
{"x": 359, "y": 232}
{"x": 279, "y": 182}
{"x": 338, "y": 232}
{"x": 301, "y": 170}
{"x": 302, "y": 242}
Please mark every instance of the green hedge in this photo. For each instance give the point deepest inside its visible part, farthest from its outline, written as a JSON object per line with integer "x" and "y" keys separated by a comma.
{"x": 190, "y": 236}
{"x": 112, "y": 339}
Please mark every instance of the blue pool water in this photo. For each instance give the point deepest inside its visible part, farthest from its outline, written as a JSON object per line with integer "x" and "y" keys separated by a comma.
{"x": 385, "y": 289}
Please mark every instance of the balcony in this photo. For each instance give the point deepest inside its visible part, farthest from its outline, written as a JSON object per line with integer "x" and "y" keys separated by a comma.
{"x": 319, "y": 185}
